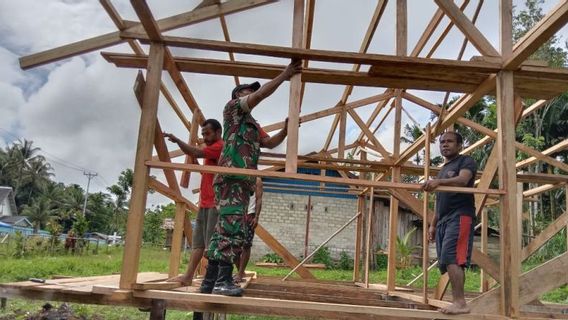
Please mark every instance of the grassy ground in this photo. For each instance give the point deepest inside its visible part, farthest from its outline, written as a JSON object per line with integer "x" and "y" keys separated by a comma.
{"x": 155, "y": 259}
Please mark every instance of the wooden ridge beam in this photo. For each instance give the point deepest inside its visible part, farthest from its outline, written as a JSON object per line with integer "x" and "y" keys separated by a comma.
{"x": 113, "y": 38}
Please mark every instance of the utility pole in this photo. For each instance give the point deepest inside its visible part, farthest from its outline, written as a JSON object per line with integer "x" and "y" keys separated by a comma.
{"x": 90, "y": 175}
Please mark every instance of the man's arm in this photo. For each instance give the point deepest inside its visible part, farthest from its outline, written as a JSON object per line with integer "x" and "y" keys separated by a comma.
{"x": 274, "y": 141}
{"x": 195, "y": 152}
{"x": 460, "y": 180}
{"x": 268, "y": 88}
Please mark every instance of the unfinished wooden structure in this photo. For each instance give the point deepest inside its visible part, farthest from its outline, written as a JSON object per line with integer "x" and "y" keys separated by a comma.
{"x": 502, "y": 71}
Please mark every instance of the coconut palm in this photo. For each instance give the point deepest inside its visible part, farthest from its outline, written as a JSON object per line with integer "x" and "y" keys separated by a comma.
{"x": 39, "y": 212}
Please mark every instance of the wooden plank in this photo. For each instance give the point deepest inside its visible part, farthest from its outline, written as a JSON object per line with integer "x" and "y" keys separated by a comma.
{"x": 166, "y": 191}
{"x": 425, "y": 226}
{"x": 369, "y": 134}
{"x": 563, "y": 145}
{"x": 309, "y": 309}
{"x": 332, "y": 110}
{"x": 393, "y": 216}
{"x": 176, "y": 248}
{"x": 401, "y": 28}
{"x": 538, "y": 35}
{"x": 279, "y": 249}
{"x": 369, "y": 235}
{"x": 545, "y": 235}
{"x": 308, "y": 177}
{"x": 146, "y": 19}
{"x": 510, "y": 247}
{"x": 358, "y": 235}
{"x": 342, "y": 128}
{"x": 448, "y": 28}
{"x": 548, "y": 276}
{"x": 146, "y": 131}
{"x": 468, "y": 28}
{"x": 484, "y": 281}
{"x": 113, "y": 38}
{"x": 161, "y": 285}
{"x": 295, "y": 92}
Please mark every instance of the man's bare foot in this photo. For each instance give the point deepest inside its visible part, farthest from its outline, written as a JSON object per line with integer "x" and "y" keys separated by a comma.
{"x": 184, "y": 279}
{"x": 238, "y": 278}
{"x": 455, "y": 309}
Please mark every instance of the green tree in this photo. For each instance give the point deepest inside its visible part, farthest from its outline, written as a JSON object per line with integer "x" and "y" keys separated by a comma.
{"x": 39, "y": 212}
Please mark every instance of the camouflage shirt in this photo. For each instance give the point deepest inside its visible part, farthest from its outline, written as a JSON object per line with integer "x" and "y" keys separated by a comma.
{"x": 241, "y": 134}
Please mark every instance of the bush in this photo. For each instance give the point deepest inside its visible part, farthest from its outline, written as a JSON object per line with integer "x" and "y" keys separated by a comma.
{"x": 272, "y": 258}
{"x": 345, "y": 262}
{"x": 382, "y": 260}
{"x": 323, "y": 256}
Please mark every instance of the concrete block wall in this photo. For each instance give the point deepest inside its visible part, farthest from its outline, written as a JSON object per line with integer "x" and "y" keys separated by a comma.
{"x": 284, "y": 216}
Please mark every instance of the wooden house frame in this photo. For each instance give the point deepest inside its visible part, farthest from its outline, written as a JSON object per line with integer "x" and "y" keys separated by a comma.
{"x": 504, "y": 72}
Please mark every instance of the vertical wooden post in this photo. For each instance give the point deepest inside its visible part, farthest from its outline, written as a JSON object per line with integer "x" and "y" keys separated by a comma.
{"x": 358, "y": 232}
{"x": 425, "y": 218}
{"x": 520, "y": 214}
{"x": 295, "y": 92}
{"x": 342, "y": 128}
{"x": 175, "y": 252}
{"x": 393, "y": 218}
{"x": 133, "y": 239}
{"x": 401, "y": 28}
{"x": 484, "y": 286}
{"x": 510, "y": 246}
{"x": 368, "y": 244}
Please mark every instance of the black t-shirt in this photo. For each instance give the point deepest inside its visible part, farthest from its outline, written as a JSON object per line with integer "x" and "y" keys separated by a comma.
{"x": 448, "y": 203}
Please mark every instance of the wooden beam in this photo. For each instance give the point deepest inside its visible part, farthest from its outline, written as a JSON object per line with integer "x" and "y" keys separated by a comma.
{"x": 358, "y": 238}
{"x": 113, "y": 38}
{"x": 510, "y": 247}
{"x": 148, "y": 23}
{"x": 425, "y": 225}
{"x": 138, "y": 197}
{"x": 309, "y": 177}
{"x": 538, "y": 35}
{"x": 386, "y": 155}
{"x": 175, "y": 251}
{"x": 545, "y": 235}
{"x": 369, "y": 235}
{"x": 563, "y": 145}
{"x": 279, "y": 249}
{"x": 484, "y": 281}
{"x": 548, "y": 276}
{"x": 332, "y": 110}
{"x": 401, "y": 28}
{"x": 168, "y": 192}
{"x": 342, "y": 129}
{"x": 295, "y": 92}
{"x": 467, "y": 27}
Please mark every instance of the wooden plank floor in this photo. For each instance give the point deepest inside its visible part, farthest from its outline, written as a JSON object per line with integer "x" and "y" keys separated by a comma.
{"x": 265, "y": 295}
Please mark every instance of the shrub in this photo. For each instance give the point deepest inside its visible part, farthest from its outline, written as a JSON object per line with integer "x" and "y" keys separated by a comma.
{"x": 323, "y": 256}
{"x": 272, "y": 258}
{"x": 345, "y": 262}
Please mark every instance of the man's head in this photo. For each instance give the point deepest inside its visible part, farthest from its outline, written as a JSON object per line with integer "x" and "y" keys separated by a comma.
{"x": 450, "y": 144}
{"x": 243, "y": 90}
{"x": 211, "y": 131}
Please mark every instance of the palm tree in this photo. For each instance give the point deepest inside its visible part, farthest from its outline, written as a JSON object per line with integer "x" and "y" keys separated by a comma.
{"x": 39, "y": 212}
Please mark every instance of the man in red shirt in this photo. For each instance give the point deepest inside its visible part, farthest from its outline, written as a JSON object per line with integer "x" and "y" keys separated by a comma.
{"x": 208, "y": 215}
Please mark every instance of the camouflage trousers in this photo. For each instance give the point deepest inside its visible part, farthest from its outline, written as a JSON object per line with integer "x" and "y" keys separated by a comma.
{"x": 232, "y": 197}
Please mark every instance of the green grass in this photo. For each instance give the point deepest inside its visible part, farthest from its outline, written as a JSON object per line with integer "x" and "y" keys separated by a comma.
{"x": 156, "y": 259}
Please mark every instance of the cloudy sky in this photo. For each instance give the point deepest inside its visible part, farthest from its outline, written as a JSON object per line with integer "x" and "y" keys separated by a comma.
{"x": 82, "y": 112}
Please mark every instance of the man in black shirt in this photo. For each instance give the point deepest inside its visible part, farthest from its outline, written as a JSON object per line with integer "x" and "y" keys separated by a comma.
{"x": 452, "y": 226}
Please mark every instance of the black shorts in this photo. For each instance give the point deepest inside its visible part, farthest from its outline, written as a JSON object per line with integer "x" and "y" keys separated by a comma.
{"x": 454, "y": 241}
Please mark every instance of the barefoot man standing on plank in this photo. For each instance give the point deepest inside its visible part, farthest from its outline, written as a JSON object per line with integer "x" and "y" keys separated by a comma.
{"x": 452, "y": 226}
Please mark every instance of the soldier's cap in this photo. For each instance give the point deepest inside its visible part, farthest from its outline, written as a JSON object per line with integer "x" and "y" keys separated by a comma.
{"x": 253, "y": 86}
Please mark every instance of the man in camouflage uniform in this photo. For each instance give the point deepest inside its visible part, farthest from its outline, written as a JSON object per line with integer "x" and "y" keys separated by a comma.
{"x": 243, "y": 139}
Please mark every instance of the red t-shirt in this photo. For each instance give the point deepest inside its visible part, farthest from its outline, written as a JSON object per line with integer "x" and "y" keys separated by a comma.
{"x": 211, "y": 155}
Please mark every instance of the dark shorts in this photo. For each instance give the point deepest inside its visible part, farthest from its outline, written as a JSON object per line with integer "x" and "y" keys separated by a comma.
{"x": 204, "y": 227}
{"x": 249, "y": 229}
{"x": 454, "y": 241}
